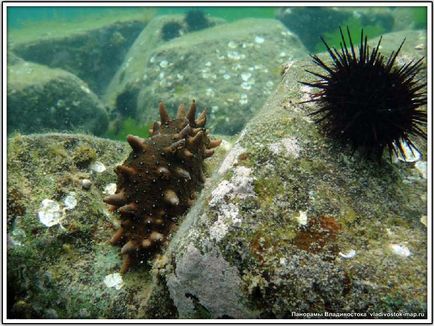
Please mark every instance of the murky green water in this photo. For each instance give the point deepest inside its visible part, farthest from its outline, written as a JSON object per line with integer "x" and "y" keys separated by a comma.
{"x": 94, "y": 56}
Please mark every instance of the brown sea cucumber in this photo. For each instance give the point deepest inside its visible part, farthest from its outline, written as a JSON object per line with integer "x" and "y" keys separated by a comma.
{"x": 158, "y": 181}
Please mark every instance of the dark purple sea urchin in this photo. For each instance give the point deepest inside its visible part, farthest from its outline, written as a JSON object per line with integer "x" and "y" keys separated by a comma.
{"x": 367, "y": 101}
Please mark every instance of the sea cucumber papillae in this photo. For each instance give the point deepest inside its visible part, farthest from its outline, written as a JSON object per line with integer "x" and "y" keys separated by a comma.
{"x": 159, "y": 181}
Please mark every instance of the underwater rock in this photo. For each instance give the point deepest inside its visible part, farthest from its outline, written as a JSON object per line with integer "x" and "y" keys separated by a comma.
{"x": 128, "y": 78}
{"x": 42, "y": 99}
{"x": 310, "y": 22}
{"x": 92, "y": 55}
{"x": 301, "y": 233}
{"x": 59, "y": 259}
{"x": 61, "y": 264}
{"x": 409, "y": 18}
{"x": 59, "y": 255}
{"x": 290, "y": 222}
{"x": 229, "y": 68}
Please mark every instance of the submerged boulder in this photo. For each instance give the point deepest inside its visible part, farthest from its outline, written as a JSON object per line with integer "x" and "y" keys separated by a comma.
{"x": 122, "y": 91}
{"x": 310, "y": 22}
{"x": 93, "y": 55}
{"x": 60, "y": 261}
{"x": 294, "y": 224}
{"x": 42, "y": 99}
{"x": 58, "y": 227}
{"x": 230, "y": 69}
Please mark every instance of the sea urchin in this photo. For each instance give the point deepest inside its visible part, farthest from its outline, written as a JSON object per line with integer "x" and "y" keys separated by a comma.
{"x": 367, "y": 101}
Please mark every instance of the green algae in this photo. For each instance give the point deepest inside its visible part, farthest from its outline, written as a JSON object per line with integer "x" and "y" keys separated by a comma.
{"x": 128, "y": 126}
{"x": 267, "y": 188}
{"x": 83, "y": 155}
{"x": 58, "y": 271}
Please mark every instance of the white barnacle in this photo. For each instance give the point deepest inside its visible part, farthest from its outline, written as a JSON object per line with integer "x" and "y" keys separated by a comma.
{"x": 164, "y": 64}
{"x": 243, "y": 99}
{"x": 70, "y": 201}
{"x": 97, "y": 166}
{"x": 246, "y": 85}
{"x": 110, "y": 189}
{"x": 269, "y": 84}
{"x": 259, "y": 40}
{"x": 301, "y": 217}
{"x": 400, "y": 250}
{"x": 421, "y": 168}
{"x": 232, "y": 45}
{"x": 114, "y": 281}
{"x": 85, "y": 89}
{"x": 348, "y": 254}
{"x": 86, "y": 184}
{"x": 233, "y": 55}
{"x": 245, "y": 76}
{"x": 210, "y": 92}
{"x": 50, "y": 213}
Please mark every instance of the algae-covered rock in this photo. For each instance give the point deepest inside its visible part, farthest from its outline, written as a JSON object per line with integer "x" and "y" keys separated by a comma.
{"x": 42, "y": 99}
{"x": 60, "y": 261}
{"x": 58, "y": 255}
{"x": 310, "y": 22}
{"x": 93, "y": 55}
{"x": 294, "y": 224}
{"x": 123, "y": 88}
{"x": 230, "y": 69}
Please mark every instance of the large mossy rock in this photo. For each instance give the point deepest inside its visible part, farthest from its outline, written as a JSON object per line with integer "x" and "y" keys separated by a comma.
{"x": 58, "y": 255}
{"x": 230, "y": 69}
{"x": 93, "y": 55}
{"x": 60, "y": 262}
{"x": 123, "y": 89}
{"x": 42, "y": 99}
{"x": 292, "y": 224}
{"x": 310, "y": 22}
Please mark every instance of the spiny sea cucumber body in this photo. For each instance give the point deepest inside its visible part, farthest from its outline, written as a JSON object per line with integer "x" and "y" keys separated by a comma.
{"x": 158, "y": 181}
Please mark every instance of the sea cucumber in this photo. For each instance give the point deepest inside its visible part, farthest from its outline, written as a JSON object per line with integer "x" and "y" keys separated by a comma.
{"x": 159, "y": 181}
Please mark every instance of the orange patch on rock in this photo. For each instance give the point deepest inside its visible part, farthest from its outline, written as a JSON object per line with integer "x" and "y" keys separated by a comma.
{"x": 320, "y": 233}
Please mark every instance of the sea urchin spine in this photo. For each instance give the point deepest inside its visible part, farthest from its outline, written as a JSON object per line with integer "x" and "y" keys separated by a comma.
{"x": 367, "y": 101}
{"x": 158, "y": 182}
